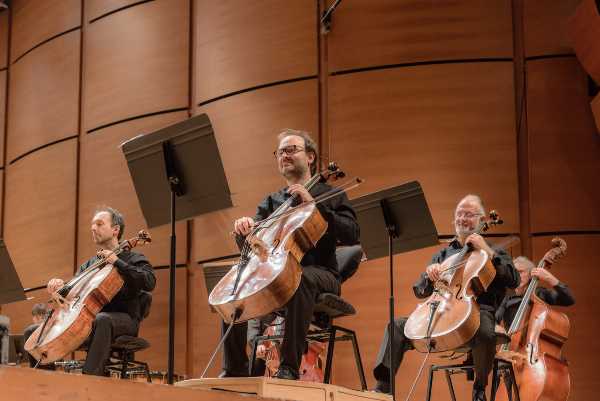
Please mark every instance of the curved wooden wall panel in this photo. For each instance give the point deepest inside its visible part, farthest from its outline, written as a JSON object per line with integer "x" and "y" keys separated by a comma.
{"x": 563, "y": 148}
{"x": 44, "y": 95}
{"x": 545, "y": 24}
{"x": 246, "y": 127}
{"x": 155, "y": 328}
{"x": 596, "y": 111}
{"x": 2, "y": 114}
{"x": 1, "y": 197}
{"x": 35, "y": 21}
{"x": 408, "y": 31}
{"x": 578, "y": 270}
{"x": 98, "y": 8}
{"x": 3, "y": 39}
{"x": 240, "y": 47}
{"x": 105, "y": 180}
{"x": 584, "y": 31}
{"x": 136, "y": 62}
{"x": 451, "y": 127}
{"x": 39, "y": 214}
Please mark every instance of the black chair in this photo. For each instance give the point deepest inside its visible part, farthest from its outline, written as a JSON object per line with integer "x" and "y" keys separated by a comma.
{"x": 330, "y": 306}
{"x": 123, "y": 348}
{"x": 501, "y": 369}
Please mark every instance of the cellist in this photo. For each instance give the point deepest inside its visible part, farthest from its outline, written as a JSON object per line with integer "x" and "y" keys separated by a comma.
{"x": 296, "y": 156}
{"x": 552, "y": 291}
{"x": 468, "y": 214}
{"x": 122, "y": 315}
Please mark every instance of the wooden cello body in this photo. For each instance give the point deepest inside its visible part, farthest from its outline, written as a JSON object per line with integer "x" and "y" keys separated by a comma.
{"x": 69, "y": 323}
{"x": 538, "y": 334}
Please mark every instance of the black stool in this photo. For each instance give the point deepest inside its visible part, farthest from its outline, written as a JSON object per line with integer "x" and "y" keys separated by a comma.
{"x": 330, "y": 306}
{"x": 501, "y": 367}
{"x": 123, "y": 351}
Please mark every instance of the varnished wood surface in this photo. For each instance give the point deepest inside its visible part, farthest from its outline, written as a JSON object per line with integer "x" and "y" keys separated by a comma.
{"x": 583, "y": 32}
{"x": 36, "y": 21}
{"x": 242, "y": 47}
{"x": 546, "y": 24}
{"x": 105, "y": 180}
{"x": 155, "y": 328}
{"x": 44, "y": 96}
{"x": 451, "y": 127}
{"x": 3, "y": 39}
{"x": 596, "y": 111}
{"x": 97, "y": 8}
{"x": 3, "y": 75}
{"x": 563, "y": 148}
{"x": 39, "y": 213}
{"x": 136, "y": 62}
{"x": 382, "y": 32}
{"x": 246, "y": 128}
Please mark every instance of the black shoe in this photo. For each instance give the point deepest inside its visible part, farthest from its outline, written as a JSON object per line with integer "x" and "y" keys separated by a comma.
{"x": 383, "y": 387}
{"x": 285, "y": 372}
{"x": 479, "y": 394}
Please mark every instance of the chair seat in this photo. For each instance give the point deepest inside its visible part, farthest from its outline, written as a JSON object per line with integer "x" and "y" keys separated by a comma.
{"x": 129, "y": 343}
{"x": 333, "y": 306}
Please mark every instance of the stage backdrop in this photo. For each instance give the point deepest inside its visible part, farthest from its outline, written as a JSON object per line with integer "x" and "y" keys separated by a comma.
{"x": 464, "y": 96}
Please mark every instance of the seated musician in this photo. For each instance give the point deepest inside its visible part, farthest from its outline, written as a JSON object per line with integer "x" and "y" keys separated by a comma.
{"x": 552, "y": 291}
{"x": 38, "y": 314}
{"x": 122, "y": 315}
{"x": 296, "y": 156}
{"x": 469, "y": 213}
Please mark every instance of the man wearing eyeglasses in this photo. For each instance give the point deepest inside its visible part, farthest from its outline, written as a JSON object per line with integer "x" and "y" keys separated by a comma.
{"x": 296, "y": 157}
{"x": 468, "y": 215}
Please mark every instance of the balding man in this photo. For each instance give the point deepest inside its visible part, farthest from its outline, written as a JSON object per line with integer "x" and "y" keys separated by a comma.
{"x": 468, "y": 215}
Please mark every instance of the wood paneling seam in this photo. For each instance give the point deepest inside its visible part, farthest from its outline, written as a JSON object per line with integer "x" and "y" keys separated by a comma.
{"x": 44, "y": 42}
{"x": 125, "y": 120}
{"x": 119, "y": 9}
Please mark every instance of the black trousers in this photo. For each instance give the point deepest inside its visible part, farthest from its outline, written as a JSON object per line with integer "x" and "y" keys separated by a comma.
{"x": 298, "y": 314}
{"x": 107, "y": 326}
{"x": 482, "y": 345}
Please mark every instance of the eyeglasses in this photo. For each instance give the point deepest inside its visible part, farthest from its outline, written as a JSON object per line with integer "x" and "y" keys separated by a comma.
{"x": 467, "y": 215}
{"x": 288, "y": 150}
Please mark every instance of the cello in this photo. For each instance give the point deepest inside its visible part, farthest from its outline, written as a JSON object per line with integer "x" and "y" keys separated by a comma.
{"x": 269, "y": 272}
{"x": 76, "y": 305}
{"x": 449, "y": 318}
{"x": 537, "y": 335}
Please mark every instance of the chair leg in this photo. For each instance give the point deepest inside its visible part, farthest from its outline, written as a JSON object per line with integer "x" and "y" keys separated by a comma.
{"x": 125, "y": 361}
{"x": 450, "y": 385}
{"x": 358, "y": 360}
{"x": 513, "y": 379}
{"x": 329, "y": 361}
{"x": 495, "y": 380}
{"x": 430, "y": 382}
{"x": 253, "y": 355}
{"x": 147, "y": 372}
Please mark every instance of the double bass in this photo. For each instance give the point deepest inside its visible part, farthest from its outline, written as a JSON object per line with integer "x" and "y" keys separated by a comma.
{"x": 69, "y": 323}
{"x": 449, "y": 318}
{"x": 269, "y": 272}
{"x": 537, "y": 335}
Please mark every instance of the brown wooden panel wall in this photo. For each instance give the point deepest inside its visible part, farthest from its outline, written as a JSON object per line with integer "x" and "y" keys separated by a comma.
{"x": 3, "y": 39}
{"x": 98, "y": 8}
{"x": 36, "y": 21}
{"x": 3, "y": 75}
{"x": 155, "y": 328}
{"x": 449, "y": 126}
{"x": 596, "y": 111}
{"x": 40, "y": 213}
{"x": 1, "y": 196}
{"x": 104, "y": 179}
{"x": 136, "y": 62}
{"x": 406, "y": 31}
{"x": 584, "y": 31}
{"x": 246, "y": 127}
{"x": 579, "y": 270}
{"x": 242, "y": 47}
{"x": 563, "y": 148}
{"x": 546, "y": 24}
{"x": 44, "y": 95}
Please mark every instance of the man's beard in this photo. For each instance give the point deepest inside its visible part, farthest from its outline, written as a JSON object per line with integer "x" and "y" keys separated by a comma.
{"x": 294, "y": 172}
{"x": 463, "y": 231}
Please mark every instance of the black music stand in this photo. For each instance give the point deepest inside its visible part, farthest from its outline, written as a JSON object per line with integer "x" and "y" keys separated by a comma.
{"x": 394, "y": 220}
{"x": 177, "y": 164}
{"x": 11, "y": 289}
